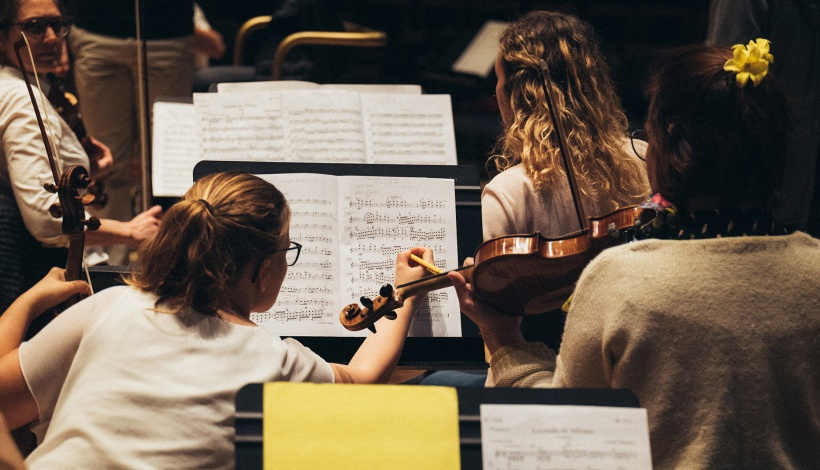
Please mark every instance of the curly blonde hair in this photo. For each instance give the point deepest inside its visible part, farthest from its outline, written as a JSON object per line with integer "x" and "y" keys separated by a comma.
{"x": 223, "y": 222}
{"x": 590, "y": 110}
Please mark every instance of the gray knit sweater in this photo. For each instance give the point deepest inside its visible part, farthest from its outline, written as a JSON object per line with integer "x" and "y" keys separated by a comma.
{"x": 718, "y": 338}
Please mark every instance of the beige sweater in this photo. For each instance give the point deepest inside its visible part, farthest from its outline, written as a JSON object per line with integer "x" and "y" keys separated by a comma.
{"x": 718, "y": 338}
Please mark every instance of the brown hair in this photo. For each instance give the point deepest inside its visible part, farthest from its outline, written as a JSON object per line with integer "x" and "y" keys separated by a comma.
{"x": 708, "y": 137}
{"x": 223, "y": 222}
{"x": 587, "y": 104}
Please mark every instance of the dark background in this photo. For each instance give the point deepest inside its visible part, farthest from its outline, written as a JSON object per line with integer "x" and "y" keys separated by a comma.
{"x": 426, "y": 36}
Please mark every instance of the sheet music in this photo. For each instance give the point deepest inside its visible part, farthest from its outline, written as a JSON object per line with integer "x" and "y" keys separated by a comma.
{"x": 405, "y": 128}
{"x": 175, "y": 144}
{"x": 351, "y": 228}
{"x": 324, "y": 127}
{"x": 564, "y": 437}
{"x": 241, "y": 126}
{"x": 289, "y": 85}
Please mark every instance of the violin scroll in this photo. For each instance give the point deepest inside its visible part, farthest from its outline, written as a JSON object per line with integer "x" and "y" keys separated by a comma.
{"x": 355, "y": 318}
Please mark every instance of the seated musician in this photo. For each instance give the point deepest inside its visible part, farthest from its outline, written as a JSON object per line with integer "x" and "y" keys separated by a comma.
{"x": 714, "y": 326}
{"x": 532, "y": 194}
{"x": 31, "y": 241}
{"x": 146, "y": 374}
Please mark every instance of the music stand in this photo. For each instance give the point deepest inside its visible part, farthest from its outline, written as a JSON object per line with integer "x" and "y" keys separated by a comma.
{"x": 465, "y": 352}
{"x": 249, "y": 416}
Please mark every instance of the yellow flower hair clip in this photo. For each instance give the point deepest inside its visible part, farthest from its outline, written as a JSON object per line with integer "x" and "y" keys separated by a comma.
{"x": 750, "y": 61}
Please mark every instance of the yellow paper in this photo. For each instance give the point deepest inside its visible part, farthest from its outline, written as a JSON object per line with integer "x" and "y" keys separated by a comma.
{"x": 338, "y": 426}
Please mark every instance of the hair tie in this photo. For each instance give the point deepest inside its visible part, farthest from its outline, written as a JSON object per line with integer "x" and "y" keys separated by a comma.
{"x": 750, "y": 61}
{"x": 207, "y": 206}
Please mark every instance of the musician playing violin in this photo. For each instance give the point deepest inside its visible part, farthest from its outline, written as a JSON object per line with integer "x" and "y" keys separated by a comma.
{"x": 31, "y": 241}
{"x": 713, "y": 324}
{"x": 531, "y": 194}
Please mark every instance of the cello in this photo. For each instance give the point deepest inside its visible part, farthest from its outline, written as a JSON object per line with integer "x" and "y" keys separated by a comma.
{"x": 521, "y": 274}
{"x": 67, "y": 186}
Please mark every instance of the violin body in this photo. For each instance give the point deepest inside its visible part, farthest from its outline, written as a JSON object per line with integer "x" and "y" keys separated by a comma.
{"x": 66, "y": 106}
{"x": 529, "y": 274}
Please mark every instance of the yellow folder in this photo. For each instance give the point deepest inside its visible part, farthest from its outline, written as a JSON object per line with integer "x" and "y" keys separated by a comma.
{"x": 338, "y": 426}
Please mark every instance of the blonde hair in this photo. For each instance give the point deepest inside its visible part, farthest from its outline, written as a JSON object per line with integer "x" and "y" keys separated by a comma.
{"x": 586, "y": 102}
{"x": 223, "y": 222}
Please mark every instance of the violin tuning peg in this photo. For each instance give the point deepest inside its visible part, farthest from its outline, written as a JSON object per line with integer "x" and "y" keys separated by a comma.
{"x": 390, "y": 315}
{"x": 371, "y": 327}
{"x": 93, "y": 223}
{"x": 87, "y": 199}
{"x": 85, "y": 180}
{"x": 386, "y": 290}
{"x": 55, "y": 210}
{"x": 366, "y": 302}
{"x": 50, "y": 187}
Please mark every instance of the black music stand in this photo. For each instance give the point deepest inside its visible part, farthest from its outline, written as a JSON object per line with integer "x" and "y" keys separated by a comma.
{"x": 464, "y": 353}
{"x": 249, "y": 399}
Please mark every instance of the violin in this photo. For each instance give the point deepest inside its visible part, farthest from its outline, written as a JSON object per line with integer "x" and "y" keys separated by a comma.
{"x": 521, "y": 274}
{"x": 517, "y": 274}
{"x": 66, "y": 105}
{"x": 67, "y": 186}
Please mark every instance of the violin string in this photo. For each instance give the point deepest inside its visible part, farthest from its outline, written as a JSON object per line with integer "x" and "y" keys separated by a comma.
{"x": 42, "y": 100}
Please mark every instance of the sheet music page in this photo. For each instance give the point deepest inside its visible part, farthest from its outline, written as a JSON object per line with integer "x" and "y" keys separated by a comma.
{"x": 309, "y": 302}
{"x": 282, "y": 85}
{"x": 351, "y": 228}
{"x": 374, "y": 88}
{"x": 324, "y": 127}
{"x": 565, "y": 437}
{"x": 242, "y": 126}
{"x": 479, "y": 56}
{"x": 267, "y": 85}
{"x": 409, "y": 129}
{"x": 382, "y": 216}
{"x": 175, "y": 148}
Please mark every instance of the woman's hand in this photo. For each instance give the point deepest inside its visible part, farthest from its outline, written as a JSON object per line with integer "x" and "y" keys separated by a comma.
{"x": 144, "y": 226}
{"x": 408, "y": 270}
{"x": 102, "y": 161}
{"x": 52, "y": 290}
{"x": 497, "y": 328}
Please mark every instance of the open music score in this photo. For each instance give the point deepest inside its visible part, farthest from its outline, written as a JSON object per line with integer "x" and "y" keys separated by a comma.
{"x": 351, "y": 228}
{"x": 564, "y": 436}
{"x": 324, "y": 125}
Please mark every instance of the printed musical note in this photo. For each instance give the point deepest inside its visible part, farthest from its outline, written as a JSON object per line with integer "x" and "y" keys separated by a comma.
{"x": 351, "y": 231}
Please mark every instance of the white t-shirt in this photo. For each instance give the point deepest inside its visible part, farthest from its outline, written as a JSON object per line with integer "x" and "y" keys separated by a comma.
{"x": 120, "y": 385}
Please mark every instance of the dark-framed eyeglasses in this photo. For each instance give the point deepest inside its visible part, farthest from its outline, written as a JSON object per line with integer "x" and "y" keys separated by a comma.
{"x": 638, "y": 140}
{"x": 291, "y": 256}
{"x": 291, "y": 253}
{"x": 36, "y": 28}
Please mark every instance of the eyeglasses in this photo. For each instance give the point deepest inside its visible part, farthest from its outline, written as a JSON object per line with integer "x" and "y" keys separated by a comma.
{"x": 36, "y": 28}
{"x": 638, "y": 147}
{"x": 291, "y": 253}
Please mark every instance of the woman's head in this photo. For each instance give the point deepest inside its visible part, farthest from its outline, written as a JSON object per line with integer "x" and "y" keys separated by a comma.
{"x": 227, "y": 224}
{"x": 43, "y": 24}
{"x": 710, "y": 140}
{"x": 586, "y": 102}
